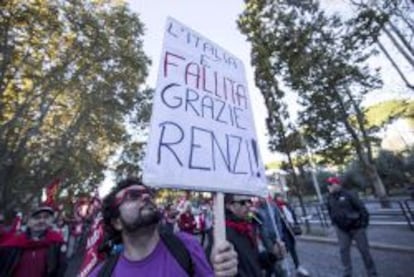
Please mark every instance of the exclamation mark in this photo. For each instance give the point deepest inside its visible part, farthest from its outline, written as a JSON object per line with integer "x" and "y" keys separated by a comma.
{"x": 256, "y": 157}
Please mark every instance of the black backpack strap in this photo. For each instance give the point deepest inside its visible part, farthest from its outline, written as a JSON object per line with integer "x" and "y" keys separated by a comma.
{"x": 179, "y": 251}
{"x": 108, "y": 266}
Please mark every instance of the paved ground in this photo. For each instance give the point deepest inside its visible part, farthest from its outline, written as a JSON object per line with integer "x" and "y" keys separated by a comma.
{"x": 322, "y": 260}
{"x": 392, "y": 235}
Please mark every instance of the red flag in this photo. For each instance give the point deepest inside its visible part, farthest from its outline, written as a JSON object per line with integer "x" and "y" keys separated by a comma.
{"x": 16, "y": 225}
{"x": 95, "y": 238}
{"x": 269, "y": 197}
{"x": 51, "y": 192}
{"x": 14, "y": 229}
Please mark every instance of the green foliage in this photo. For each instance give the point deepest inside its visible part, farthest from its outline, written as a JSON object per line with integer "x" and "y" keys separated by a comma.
{"x": 274, "y": 165}
{"x": 130, "y": 159}
{"x": 296, "y": 45}
{"x": 391, "y": 168}
{"x": 391, "y": 19}
{"x": 395, "y": 170}
{"x": 70, "y": 74}
{"x": 321, "y": 177}
{"x": 409, "y": 166}
{"x": 354, "y": 176}
{"x": 383, "y": 113}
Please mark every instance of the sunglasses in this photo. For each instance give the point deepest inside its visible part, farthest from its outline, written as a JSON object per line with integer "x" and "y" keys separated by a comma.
{"x": 132, "y": 195}
{"x": 243, "y": 202}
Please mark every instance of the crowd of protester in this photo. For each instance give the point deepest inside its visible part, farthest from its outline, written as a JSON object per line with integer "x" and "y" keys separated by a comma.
{"x": 134, "y": 235}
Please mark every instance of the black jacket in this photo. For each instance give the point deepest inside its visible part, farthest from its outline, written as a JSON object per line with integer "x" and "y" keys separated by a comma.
{"x": 346, "y": 211}
{"x": 247, "y": 252}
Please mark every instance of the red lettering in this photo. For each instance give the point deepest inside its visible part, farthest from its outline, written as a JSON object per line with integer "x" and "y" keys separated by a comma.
{"x": 167, "y": 61}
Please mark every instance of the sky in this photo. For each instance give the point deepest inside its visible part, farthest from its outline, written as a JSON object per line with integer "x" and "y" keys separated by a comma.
{"x": 216, "y": 20}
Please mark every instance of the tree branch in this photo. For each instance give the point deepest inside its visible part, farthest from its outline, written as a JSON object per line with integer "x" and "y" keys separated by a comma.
{"x": 394, "y": 64}
{"x": 399, "y": 47}
{"x": 402, "y": 38}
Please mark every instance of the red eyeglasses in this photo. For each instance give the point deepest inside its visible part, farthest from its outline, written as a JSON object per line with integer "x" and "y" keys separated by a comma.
{"x": 132, "y": 194}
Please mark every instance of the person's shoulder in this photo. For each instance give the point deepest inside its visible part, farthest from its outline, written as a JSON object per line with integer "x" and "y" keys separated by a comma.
{"x": 186, "y": 238}
{"x": 54, "y": 236}
{"x": 96, "y": 270}
{"x": 197, "y": 253}
{"x": 190, "y": 242}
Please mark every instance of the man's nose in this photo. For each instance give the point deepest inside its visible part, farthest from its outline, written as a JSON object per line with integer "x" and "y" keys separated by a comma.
{"x": 43, "y": 219}
{"x": 146, "y": 196}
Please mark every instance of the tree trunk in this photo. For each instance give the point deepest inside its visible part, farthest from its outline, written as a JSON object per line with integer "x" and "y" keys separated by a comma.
{"x": 298, "y": 192}
{"x": 376, "y": 182}
{"x": 363, "y": 154}
{"x": 4, "y": 188}
{"x": 304, "y": 213}
{"x": 361, "y": 124}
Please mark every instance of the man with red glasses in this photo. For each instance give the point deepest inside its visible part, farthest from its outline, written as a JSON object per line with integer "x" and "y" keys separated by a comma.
{"x": 131, "y": 217}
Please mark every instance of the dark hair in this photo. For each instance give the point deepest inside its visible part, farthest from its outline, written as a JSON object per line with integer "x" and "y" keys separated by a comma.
{"x": 277, "y": 195}
{"x": 228, "y": 198}
{"x": 109, "y": 212}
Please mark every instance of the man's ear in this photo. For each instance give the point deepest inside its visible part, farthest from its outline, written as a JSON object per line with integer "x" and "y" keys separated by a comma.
{"x": 116, "y": 223}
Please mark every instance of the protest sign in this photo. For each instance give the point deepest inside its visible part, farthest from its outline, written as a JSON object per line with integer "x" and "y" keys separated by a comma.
{"x": 202, "y": 134}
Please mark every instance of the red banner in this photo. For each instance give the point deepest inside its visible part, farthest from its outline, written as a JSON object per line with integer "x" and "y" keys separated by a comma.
{"x": 16, "y": 226}
{"x": 95, "y": 238}
{"x": 51, "y": 192}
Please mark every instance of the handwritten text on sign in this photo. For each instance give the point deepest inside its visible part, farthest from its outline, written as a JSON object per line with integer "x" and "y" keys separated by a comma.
{"x": 202, "y": 133}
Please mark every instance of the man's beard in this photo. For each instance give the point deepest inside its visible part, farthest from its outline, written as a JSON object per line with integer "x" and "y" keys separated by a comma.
{"x": 143, "y": 220}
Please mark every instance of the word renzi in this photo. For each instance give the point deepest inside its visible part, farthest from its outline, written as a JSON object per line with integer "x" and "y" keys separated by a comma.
{"x": 205, "y": 94}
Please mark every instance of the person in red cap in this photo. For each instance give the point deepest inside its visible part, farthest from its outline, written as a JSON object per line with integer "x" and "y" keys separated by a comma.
{"x": 350, "y": 218}
{"x": 186, "y": 221}
{"x": 36, "y": 252}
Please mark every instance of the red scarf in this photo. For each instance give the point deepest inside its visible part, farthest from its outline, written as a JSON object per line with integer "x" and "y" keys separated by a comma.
{"x": 280, "y": 203}
{"x": 22, "y": 240}
{"x": 244, "y": 228}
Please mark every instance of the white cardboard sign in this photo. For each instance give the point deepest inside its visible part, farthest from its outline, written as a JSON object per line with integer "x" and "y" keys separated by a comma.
{"x": 202, "y": 134}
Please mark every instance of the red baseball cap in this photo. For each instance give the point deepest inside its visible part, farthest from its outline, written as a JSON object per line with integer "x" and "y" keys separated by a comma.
{"x": 333, "y": 180}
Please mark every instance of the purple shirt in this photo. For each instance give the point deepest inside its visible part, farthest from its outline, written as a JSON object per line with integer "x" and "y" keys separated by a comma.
{"x": 161, "y": 263}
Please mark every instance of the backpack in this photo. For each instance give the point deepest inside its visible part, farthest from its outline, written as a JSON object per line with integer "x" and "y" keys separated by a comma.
{"x": 344, "y": 214}
{"x": 173, "y": 244}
